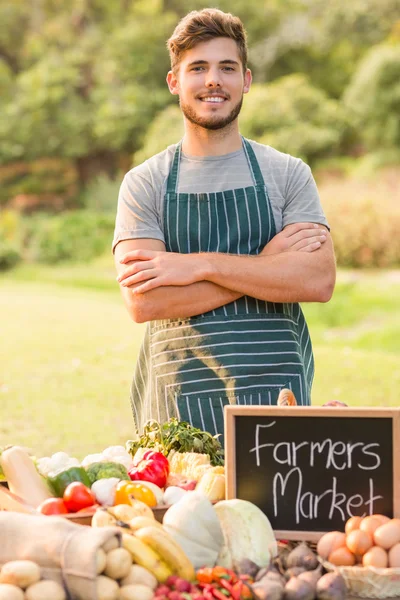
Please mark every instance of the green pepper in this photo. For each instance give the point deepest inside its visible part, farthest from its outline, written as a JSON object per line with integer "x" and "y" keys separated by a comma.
{"x": 59, "y": 482}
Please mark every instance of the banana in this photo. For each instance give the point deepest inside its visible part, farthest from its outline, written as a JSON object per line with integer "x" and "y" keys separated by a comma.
{"x": 162, "y": 542}
{"x": 145, "y": 556}
{"x": 139, "y": 522}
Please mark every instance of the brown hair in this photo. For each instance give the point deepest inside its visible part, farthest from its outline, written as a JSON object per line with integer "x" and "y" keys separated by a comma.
{"x": 201, "y": 26}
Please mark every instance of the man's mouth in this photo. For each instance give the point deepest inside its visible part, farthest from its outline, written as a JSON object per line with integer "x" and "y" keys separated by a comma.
{"x": 213, "y": 99}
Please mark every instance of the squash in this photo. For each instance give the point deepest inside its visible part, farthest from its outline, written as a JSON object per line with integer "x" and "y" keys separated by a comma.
{"x": 247, "y": 534}
{"x": 212, "y": 485}
{"x": 194, "y": 525}
{"x": 22, "y": 477}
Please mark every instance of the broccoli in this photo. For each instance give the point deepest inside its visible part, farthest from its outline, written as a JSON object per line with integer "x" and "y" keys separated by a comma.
{"x": 104, "y": 470}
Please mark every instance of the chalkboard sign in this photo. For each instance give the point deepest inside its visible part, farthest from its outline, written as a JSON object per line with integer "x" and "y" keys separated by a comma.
{"x": 310, "y": 469}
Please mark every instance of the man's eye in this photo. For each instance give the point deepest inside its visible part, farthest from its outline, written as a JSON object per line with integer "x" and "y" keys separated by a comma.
{"x": 229, "y": 69}
{"x": 197, "y": 68}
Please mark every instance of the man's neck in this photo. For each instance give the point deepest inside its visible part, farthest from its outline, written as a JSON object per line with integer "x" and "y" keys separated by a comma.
{"x": 205, "y": 142}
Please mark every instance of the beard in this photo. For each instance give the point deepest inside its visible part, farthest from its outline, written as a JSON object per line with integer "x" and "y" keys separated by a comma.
{"x": 212, "y": 123}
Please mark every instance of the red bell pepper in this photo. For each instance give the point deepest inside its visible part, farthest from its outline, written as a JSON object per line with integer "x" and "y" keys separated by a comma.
{"x": 152, "y": 469}
{"x": 159, "y": 456}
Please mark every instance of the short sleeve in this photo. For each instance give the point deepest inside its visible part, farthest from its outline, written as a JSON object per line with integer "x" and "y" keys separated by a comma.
{"x": 137, "y": 215}
{"x": 302, "y": 201}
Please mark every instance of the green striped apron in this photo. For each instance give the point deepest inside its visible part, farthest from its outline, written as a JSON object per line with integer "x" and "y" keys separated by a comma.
{"x": 244, "y": 352}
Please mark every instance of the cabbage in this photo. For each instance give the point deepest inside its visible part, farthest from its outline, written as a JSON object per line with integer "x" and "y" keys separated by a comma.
{"x": 247, "y": 534}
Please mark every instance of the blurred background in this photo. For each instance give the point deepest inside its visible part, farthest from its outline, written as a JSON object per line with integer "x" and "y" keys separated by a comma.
{"x": 83, "y": 99}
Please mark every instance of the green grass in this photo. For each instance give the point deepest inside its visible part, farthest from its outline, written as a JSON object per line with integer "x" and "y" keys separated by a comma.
{"x": 69, "y": 349}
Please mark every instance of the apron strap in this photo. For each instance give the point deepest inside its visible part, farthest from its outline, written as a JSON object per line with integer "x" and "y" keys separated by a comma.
{"x": 253, "y": 163}
{"x": 172, "y": 182}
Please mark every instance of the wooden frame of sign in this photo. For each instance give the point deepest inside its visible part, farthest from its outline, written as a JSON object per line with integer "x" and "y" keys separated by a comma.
{"x": 366, "y": 461}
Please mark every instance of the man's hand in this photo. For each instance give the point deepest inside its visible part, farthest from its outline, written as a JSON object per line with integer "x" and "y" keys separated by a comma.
{"x": 299, "y": 237}
{"x": 153, "y": 269}
{"x": 156, "y": 269}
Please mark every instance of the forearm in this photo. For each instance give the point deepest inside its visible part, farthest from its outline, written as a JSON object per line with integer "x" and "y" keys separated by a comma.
{"x": 286, "y": 277}
{"x": 174, "y": 302}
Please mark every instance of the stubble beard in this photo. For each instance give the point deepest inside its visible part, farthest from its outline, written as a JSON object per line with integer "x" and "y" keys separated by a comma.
{"x": 213, "y": 123}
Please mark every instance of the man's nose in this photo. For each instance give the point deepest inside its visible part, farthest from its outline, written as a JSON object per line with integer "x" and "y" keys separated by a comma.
{"x": 213, "y": 78}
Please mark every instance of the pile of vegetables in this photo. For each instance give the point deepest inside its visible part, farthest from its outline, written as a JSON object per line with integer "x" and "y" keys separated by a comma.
{"x": 179, "y": 436}
{"x": 22, "y": 580}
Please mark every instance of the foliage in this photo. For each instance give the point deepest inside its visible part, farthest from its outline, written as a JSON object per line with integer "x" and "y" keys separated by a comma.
{"x": 71, "y": 236}
{"x": 85, "y": 85}
{"x": 364, "y": 216}
{"x": 179, "y": 436}
{"x": 101, "y": 194}
{"x": 45, "y": 182}
{"x": 9, "y": 255}
{"x": 373, "y": 97}
{"x": 166, "y": 129}
{"x": 294, "y": 117}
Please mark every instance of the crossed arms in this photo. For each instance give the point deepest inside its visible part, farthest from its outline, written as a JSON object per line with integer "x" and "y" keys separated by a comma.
{"x": 297, "y": 265}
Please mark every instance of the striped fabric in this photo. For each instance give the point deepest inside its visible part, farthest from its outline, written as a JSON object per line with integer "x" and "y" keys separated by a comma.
{"x": 244, "y": 352}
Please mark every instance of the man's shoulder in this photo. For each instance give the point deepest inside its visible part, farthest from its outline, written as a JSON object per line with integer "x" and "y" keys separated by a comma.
{"x": 273, "y": 157}
{"x": 155, "y": 169}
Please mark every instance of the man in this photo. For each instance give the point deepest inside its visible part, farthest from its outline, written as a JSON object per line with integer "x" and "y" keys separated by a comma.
{"x": 217, "y": 240}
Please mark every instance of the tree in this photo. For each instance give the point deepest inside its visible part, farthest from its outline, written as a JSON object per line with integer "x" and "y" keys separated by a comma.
{"x": 373, "y": 97}
{"x": 294, "y": 117}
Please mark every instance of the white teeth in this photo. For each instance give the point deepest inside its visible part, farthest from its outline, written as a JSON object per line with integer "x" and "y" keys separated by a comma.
{"x": 213, "y": 99}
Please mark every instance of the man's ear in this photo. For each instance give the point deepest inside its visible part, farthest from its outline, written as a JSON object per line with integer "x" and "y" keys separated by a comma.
{"x": 173, "y": 84}
{"x": 247, "y": 81}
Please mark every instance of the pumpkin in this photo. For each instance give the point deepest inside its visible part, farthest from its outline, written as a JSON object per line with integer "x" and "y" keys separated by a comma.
{"x": 194, "y": 525}
{"x": 247, "y": 534}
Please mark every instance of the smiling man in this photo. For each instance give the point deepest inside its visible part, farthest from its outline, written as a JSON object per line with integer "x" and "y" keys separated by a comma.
{"x": 217, "y": 240}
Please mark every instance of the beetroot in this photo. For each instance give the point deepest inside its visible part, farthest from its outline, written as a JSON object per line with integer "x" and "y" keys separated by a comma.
{"x": 182, "y": 585}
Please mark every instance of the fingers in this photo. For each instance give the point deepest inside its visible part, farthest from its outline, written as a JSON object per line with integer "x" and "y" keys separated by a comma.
{"x": 144, "y": 275}
{"x": 296, "y": 228}
{"x": 311, "y": 247}
{"x": 138, "y": 255}
{"x": 132, "y": 270}
{"x": 308, "y": 241}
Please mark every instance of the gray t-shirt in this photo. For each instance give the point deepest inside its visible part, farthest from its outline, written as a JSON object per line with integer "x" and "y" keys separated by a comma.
{"x": 291, "y": 188}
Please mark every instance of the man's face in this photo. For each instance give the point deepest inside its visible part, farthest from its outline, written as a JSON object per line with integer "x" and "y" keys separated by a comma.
{"x": 211, "y": 83}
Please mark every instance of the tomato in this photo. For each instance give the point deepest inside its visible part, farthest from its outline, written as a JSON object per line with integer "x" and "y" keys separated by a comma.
{"x": 143, "y": 493}
{"x": 152, "y": 469}
{"x": 78, "y": 496}
{"x": 122, "y": 492}
{"x": 53, "y": 506}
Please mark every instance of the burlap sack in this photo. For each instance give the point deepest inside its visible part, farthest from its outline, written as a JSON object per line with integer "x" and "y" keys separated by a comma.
{"x": 66, "y": 552}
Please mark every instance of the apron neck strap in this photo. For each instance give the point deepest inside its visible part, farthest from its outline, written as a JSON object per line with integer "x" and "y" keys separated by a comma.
{"x": 172, "y": 182}
{"x": 253, "y": 163}
{"x": 173, "y": 177}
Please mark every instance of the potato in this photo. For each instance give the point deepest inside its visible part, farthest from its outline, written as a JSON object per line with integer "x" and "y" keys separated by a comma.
{"x": 139, "y": 574}
{"x": 10, "y": 592}
{"x": 135, "y": 592}
{"x": 45, "y": 590}
{"x": 101, "y": 561}
{"x": 20, "y": 573}
{"x": 107, "y": 589}
{"x": 111, "y": 544}
{"x": 118, "y": 565}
